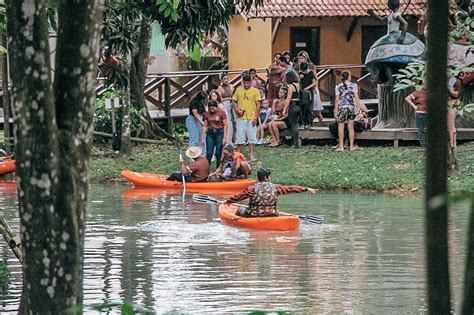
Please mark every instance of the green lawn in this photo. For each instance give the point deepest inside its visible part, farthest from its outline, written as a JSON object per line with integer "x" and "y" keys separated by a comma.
{"x": 372, "y": 168}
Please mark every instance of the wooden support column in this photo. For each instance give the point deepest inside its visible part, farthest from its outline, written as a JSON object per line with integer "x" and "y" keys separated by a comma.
{"x": 332, "y": 87}
{"x": 169, "y": 119}
{"x": 351, "y": 29}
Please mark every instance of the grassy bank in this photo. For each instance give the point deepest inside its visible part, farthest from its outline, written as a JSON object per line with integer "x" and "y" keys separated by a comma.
{"x": 375, "y": 168}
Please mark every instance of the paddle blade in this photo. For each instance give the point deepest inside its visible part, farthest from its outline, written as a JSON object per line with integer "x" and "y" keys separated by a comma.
{"x": 204, "y": 199}
{"x": 312, "y": 219}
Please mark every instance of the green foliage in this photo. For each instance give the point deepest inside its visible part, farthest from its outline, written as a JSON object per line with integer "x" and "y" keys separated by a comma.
{"x": 125, "y": 308}
{"x": 4, "y": 278}
{"x": 121, "y": 26}
{"x": 413, "y": 76}
{"x": 3, "y": 24}
{"x": 463, "y": 30}
{"x": 180, "y": 131}
{"x": 199, "y": 18}
{"x": 103, "y": 116}
{"x": 466, "y": 109}
{"x": 168, "y": 8}
{"x": 376, "y": 168}
{"x": 196, "y": 19}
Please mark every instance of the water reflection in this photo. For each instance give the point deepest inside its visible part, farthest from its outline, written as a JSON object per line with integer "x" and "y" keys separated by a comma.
{"x": 172, "y": 255}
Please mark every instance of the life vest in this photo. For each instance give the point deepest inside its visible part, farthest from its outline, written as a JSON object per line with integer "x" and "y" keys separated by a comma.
{"x": 264, "y": 202}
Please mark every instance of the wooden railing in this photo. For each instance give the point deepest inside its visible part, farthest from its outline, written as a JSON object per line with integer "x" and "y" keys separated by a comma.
{"x": 328, "y": 77}
{"x": 172, "y": 90}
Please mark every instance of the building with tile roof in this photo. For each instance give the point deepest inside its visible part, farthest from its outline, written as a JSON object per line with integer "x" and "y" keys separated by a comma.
{"x": 331, "y": 31}
{"x": 330, "y": 8}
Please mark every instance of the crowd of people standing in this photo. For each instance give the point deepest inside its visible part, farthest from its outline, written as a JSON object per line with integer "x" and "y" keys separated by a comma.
{"x": 289, "y": 99}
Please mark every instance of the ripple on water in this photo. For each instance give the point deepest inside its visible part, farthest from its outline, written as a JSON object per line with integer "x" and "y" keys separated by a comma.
{"x": 176, "y": 257}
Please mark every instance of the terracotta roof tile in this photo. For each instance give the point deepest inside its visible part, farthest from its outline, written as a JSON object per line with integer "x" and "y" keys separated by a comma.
{"x": 327, "y": 8}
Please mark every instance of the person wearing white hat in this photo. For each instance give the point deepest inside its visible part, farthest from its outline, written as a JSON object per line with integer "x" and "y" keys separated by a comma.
{"x": 197, "y": 171}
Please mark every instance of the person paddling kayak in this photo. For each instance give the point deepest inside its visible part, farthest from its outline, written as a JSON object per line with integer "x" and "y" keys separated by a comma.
{"x": 264, "y": 196}
{"x": 197, "y": 171}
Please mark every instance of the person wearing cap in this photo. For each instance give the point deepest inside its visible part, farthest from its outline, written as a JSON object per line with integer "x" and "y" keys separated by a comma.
{"x": 264, "y": 196}
{"x": 197, "y": 171}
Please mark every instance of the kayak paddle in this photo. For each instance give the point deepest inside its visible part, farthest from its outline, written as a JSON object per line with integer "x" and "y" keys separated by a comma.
{"x": 182, "y": 175}
{"x": 180, "y": 150}
{"x": 307, "y": 218}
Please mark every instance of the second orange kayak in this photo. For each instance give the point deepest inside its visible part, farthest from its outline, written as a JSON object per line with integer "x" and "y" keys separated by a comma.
{"x": 159, "y": 181}
{"x": 280, "y": 223}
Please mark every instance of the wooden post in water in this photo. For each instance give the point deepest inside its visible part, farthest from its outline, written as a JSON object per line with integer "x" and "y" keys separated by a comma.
{"x": 393, "y": 112}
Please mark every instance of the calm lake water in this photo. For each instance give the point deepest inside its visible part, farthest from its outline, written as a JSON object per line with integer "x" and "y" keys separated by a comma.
{"x": 171, "y": 256}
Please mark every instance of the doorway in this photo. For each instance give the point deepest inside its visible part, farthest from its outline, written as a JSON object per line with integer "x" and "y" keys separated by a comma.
{"x": 307, "y": 39}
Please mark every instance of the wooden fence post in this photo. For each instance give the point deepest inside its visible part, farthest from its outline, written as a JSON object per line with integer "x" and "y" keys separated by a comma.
{"x": 169, "y": 119}
{"x": 332, "y": 87}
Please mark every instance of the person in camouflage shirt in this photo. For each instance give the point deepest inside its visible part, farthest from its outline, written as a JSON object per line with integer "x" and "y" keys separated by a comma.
{"x": 264, "y": 196}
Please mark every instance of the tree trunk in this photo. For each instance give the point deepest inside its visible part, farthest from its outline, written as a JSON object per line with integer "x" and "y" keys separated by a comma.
{"x": 468, "y": 303}
{"x": 126, "y": 143}
{"x": 138, "y": 71}
{"x": 439, "y": 297}
{"x": 139, "y": 65}
{"x": 393, "y": 112}
{"x": 8, "y": 143}
{"x": 53, "y": 138}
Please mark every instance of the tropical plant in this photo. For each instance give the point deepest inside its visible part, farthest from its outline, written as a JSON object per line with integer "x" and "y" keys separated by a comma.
{"x": 180, "y": 131}
{"x": 127, "y": 31}
{"x": 4, "y": 276}
{"x": 103, "y": 115}
{"x": 463, "y": 30}
{"x": 3, "y": 25}
{"x": 414, "y": 77}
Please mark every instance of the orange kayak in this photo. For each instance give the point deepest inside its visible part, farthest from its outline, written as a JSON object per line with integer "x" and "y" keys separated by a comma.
{"x": 159, "y": 181}
{"x": 7, "y": 166}
{"x": 280, "y": 223}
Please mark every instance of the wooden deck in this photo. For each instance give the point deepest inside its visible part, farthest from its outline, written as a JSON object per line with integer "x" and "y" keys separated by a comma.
{"x": 395, "y": 135}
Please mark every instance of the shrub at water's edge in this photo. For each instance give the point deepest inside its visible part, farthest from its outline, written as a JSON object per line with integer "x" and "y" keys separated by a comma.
{"x": 4, "y": 278}
{"x": 373, "y": 168}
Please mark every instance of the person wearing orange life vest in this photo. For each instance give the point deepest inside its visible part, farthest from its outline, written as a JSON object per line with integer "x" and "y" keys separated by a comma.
{"x": 242, "y": 167}
{"x": 264, "y": 196}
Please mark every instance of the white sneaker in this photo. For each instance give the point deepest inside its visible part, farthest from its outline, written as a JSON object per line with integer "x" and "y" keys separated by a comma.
{"x": 260, "y": 141}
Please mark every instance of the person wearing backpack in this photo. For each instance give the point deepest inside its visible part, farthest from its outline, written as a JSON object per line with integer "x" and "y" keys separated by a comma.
{"x": 308, "y": 83}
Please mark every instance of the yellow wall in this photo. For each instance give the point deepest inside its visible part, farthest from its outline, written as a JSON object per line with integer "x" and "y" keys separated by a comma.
{"x": 249, "y": 48}
{"x": 334, "y": 49}
{"x": 333, "y": 31}
{"x": 254, "y": 48}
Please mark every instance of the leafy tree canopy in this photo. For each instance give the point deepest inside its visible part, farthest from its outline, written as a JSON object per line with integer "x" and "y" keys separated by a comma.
{"x": 182, "y": 21}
